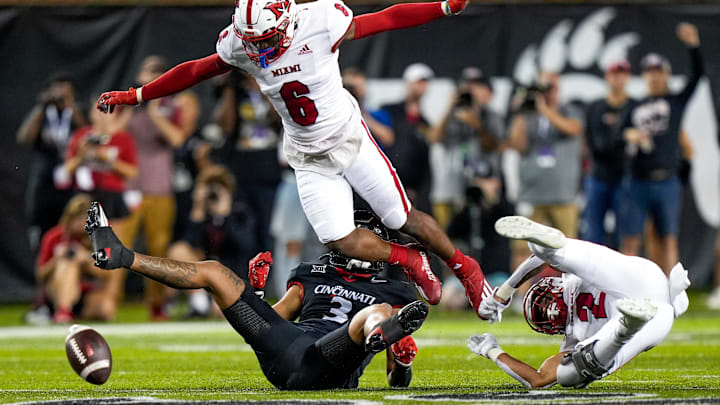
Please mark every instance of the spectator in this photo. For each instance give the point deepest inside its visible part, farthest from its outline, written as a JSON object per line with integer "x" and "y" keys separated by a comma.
{"x": 252, "y": 129}
{"x": 652, "y": 131}
{"x": 218, "y": 230}
{"x": 408, "y": 150}
{"x": 470, "y": 131}
{"x": 158, "y": 127}
{"x": 47, "y": 130}
{"x": 547, "y": 136}
{"x": 607, "y": 151}
{"x": 355, "y": 82}
{"x": 64, "y": 268}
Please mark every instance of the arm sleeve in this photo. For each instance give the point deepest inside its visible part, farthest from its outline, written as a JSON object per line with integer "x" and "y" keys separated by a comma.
{"x": 184, "y": 75}
{"x": 506, "y": 290}
{"x": 397, "y": 17}
{"x": 696, "y": 72}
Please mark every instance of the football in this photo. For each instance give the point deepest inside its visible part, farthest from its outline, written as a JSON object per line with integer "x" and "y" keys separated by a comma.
{"x": 88, "y": 354}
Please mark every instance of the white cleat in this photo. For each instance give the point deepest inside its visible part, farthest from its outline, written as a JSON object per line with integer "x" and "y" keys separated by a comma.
{"x": 517, "y": 227}
{"x": 636, "y": 312}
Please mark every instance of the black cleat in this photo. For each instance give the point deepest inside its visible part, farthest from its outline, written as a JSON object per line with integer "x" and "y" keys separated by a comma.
{"x": 409, "y": 319}
{"x": 108, "y": 251}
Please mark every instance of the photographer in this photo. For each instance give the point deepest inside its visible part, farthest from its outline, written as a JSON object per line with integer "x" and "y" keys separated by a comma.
{"x": 218, "y": 230}
{"x": 47, "y": 130}
{"x": 64, "y": 266}
{"x": 469, "y": 131}
{"x": 547, "y": 136}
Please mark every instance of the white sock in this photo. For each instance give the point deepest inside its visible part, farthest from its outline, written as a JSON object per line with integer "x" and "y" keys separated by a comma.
{"x": 199, "y": 302}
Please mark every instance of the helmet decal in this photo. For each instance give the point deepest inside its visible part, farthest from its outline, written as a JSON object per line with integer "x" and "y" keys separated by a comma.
{"x": 266, "y": 28}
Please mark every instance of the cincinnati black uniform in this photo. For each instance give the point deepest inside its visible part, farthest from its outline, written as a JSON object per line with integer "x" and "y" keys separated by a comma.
{"x": 315, "y": 352}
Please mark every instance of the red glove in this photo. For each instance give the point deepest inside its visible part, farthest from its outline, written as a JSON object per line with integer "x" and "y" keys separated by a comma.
{"x": 259, "y": 269}
{"x": 107, "y": 101}
{"x": 454, "y": 7}
{"x": 404, "y": 351}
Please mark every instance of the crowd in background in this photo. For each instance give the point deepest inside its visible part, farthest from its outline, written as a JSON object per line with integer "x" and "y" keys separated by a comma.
{"x": 611, "y": 172}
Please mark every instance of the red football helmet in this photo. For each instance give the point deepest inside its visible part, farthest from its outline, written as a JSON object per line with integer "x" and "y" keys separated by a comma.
{"x": 266, "y": 28}
{"x": 544, "y": 308}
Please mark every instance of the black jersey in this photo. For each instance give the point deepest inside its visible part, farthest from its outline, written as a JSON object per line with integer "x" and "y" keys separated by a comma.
{"x": 662, "y": 117}
{"x": 332, "y": 296}
{"x": 604, "y": 139}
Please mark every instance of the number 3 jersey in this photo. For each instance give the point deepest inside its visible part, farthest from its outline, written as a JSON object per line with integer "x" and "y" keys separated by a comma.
{"x": 304, "y": 84}
{"x": 331, "y": 297}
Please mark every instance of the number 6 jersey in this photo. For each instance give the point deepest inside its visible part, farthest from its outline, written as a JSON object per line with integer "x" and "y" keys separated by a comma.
{"x": 331, "y": 296}
{"x": 304, "y": 84}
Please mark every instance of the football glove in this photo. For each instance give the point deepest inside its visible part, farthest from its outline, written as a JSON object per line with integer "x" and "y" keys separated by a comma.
{"x": 481, "y": 344}
{"x": 259, "y": 268}
{"x": 108, "y": 100}
{"x": 491, "y": 309}
{"x": 404, "y": 351}
{"x": 454, "y": 7}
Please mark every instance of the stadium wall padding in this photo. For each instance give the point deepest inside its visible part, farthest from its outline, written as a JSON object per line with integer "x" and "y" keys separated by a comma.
{"x": 103, "y": 46}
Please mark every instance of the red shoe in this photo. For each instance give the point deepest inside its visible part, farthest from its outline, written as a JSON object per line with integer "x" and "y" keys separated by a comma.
{"x": 419, "y": 271}
{"x": 63, "y": 316}
{"x": 159, "y": 314}
{"x": 473, "y": 279}
{"x": 404, "y": 351}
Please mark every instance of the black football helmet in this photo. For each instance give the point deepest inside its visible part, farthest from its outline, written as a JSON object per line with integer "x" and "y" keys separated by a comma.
{"x": 366, "y": 220}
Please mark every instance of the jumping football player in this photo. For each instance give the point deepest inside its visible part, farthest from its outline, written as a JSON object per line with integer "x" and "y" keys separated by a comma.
{"x": 609, "y": 306}
{"x": 292, "y": 52}
{"x": 346, "y": 314}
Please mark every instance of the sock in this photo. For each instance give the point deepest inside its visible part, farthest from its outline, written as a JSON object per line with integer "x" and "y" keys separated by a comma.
{"x": 607, "y": 348}
{"x": 459, "y": 264}
{"x": 399, "y": 255}
{"x": 199, "y": 302}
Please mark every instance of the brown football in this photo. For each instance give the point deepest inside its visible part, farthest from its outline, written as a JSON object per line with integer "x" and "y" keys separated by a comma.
{"x": 88, "y": 354}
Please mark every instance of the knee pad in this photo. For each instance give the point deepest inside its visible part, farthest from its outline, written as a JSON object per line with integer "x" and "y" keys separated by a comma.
{"x": 580, "y": 367}
{"x": 395, "y": 220}
{"x": 244, "y": 318}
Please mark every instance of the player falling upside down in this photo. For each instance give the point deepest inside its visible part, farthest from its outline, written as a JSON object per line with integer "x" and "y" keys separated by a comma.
{"x": 346, "y": 314}
{"x": 291, "y": 51}
{"x": 609, "y": 306}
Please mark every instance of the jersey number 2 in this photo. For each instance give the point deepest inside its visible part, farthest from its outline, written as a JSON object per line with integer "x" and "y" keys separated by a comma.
{"x": 339, "y": 315}
{"x": 301, "y": 108}
{"x": 586, "y": 301}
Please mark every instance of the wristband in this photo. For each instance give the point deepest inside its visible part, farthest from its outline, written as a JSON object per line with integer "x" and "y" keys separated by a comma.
{"x": 494, "y": 352}
{"x": 138, "y": 94}
{"x": 505, "y": 291}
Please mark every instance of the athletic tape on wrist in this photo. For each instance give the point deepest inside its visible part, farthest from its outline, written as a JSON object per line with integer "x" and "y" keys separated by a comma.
{"x": 138, "y": 94}
{"x": 505, "y": 291}
{"x": 494, "y": 352}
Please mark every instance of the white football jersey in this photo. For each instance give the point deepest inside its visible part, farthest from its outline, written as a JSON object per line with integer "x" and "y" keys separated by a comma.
{"x": 589, "y": 310}
{"x": 304, "y": 84}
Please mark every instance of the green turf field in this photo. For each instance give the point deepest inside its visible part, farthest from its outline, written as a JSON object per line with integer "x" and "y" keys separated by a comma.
{"x": 205, "y": 361}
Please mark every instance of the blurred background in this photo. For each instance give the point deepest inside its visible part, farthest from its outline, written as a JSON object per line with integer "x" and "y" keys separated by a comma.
{"x": 465, "y": 107}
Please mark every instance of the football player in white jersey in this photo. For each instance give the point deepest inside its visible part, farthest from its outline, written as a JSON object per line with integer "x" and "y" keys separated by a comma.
{"x": 609, "y": 306}
{"x": 291, "y": 51}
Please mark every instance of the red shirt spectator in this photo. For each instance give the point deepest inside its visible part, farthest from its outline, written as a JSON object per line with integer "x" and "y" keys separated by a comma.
{"x": 108, "y": 149}
{"x": 52, "y": 239}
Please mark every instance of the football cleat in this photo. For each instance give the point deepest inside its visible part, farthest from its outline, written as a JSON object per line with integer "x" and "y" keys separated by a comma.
{"x": 404, "y": 351}
{"x": 477, "y": 288}
{"x": 421, "y": 274}
{"x": 108, "y": 251}
{"x": 403, "y": 323}
{"x": 517, "y": 227}
{"x": 636, "y": 313}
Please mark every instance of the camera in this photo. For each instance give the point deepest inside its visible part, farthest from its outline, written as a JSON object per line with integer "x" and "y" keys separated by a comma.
{"x": 95, "y": 139}
{"x": 70, "y": 253}
{"x": 464, "y": 99}
{"x": 526, "y": 96}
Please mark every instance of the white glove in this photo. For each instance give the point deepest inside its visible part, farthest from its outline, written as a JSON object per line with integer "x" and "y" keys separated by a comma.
{"x": 491, "y": 309}
{"x": 482, "y": 344}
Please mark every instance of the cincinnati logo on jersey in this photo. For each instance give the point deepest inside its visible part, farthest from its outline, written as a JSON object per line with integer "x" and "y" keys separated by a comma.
{"x": 340, "y": 291}
{"x": 286, "y": 70}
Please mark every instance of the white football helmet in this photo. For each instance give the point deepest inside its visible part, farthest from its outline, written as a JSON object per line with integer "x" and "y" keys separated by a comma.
{"x": 266, "y": 28}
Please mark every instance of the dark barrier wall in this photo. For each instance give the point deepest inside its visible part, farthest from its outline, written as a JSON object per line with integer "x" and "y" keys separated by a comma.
{"x": 103, "y": 46}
